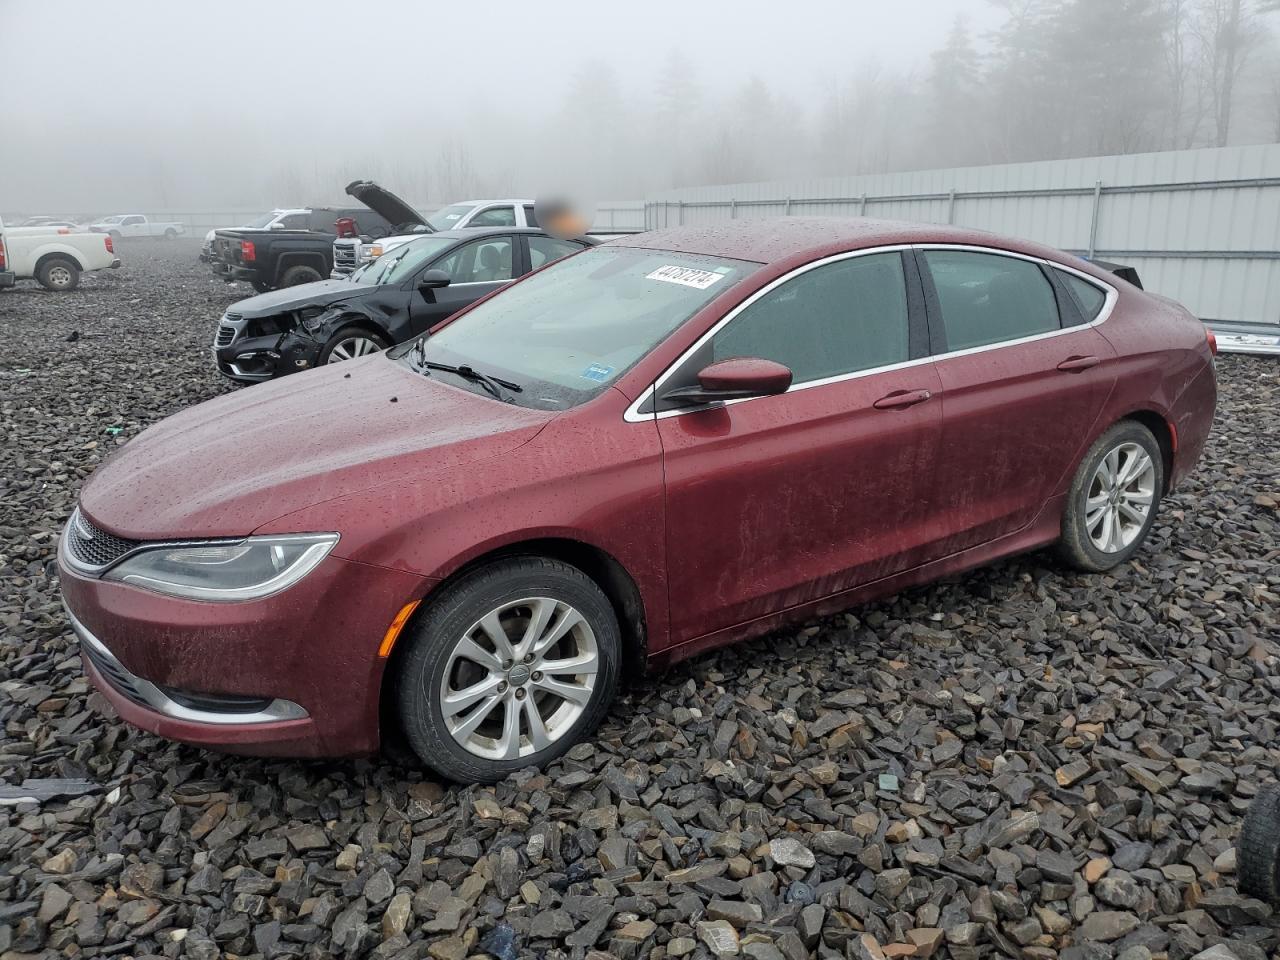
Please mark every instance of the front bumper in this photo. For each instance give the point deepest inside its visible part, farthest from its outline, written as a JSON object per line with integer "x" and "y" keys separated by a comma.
{"x": 300, "y": 668}
{"x": 7, "y": 278}
{"x": 255, "y": 359}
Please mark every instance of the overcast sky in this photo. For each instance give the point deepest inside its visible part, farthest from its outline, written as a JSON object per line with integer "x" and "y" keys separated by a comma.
{"x": 103, "y": 100}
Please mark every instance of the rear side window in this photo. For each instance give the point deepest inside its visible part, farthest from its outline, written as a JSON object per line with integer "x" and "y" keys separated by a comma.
{"x": 987, "y": 298}
{"x": 838, "y": 318}
{"x": 545, "y": 249}
{"x": 494, "y": 217}
{"x": 1088, "y": 298}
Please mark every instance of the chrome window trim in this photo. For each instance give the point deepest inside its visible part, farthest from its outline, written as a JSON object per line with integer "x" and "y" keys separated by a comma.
{"x": 633, "y": 416}
{"x": 162, "y": 703}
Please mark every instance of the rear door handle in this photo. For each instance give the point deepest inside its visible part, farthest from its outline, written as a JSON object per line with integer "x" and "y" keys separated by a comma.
{"x": 902, "y": 398}
{"x": 1073, "y": 364}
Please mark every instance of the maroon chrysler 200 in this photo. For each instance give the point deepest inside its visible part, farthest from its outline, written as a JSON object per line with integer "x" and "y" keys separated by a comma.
{"x": 643, "y": 451}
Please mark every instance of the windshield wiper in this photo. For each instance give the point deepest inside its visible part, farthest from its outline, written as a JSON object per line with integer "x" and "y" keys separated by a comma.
{"x": 491, "y": 384}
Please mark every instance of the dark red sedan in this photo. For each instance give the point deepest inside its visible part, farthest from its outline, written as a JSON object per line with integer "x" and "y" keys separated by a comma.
{"x": 644, "y": 451}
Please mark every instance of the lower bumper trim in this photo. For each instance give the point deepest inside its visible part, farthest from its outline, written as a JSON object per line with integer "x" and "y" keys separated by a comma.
{"x": 144, "y": 693}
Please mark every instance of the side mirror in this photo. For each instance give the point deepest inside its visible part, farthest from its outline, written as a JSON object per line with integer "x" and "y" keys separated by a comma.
{"x": 733, "y": 380}
{"x": 432, "y": 280}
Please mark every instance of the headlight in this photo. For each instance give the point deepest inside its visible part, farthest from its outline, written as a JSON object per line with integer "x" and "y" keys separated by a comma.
{"x": 311, "y": 317}
{"x": 241, "y": 570}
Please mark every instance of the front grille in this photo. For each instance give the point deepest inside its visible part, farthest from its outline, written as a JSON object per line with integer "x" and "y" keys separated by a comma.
{"x": 114, "y": 674}
{"x": 344, "y": 256}
{"x": 93, "y": 547}
{"x": 226, "y": 336}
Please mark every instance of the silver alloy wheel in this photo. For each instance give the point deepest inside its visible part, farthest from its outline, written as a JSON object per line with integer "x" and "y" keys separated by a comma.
{"x": 348, "y": 348}
{"x": 1119, "y": 497}
{"x": 519, "y": 678}
{"x": 59, "y": 275}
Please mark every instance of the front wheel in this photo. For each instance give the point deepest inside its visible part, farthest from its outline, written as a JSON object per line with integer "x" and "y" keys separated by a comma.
{"x": 351, "y": 342}
{"x": 508, "y": 667}
{"x": 1113, "y": 499}
{"x": 171, "y": 234}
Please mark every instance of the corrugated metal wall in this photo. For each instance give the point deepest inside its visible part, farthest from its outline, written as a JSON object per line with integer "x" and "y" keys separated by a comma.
{"x": 1201, "y": 226}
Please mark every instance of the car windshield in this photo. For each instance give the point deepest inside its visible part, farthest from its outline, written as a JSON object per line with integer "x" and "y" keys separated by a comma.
{"x": 569, "y": 331}
{"x": 403, "y": 262}
{"x": 263, "y": 220}
{"x": 446, "y": 218}
{"x": 112, "y": 219}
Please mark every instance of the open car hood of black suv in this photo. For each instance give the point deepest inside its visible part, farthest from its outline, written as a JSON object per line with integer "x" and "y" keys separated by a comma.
{"x": 385, "y": 204}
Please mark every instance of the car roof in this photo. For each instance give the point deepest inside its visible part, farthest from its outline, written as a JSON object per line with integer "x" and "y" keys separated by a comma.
{"x": 473, "y": 203}
{"x": 463, "y": 233}
{"x": 786, "y": 238}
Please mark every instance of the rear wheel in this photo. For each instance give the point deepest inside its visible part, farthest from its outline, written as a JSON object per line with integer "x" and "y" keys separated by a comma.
{"x": 1113, "y": 499}
{"x": 300, "y": 274}
{"x": 171, "y": 234}
{"x": 509, "y": 667}
{"x": 351, "y": 342}
{"x": 59, "y": 274}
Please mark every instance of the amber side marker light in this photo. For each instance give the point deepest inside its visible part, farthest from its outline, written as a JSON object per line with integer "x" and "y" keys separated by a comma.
{"x": 397, "y": 625}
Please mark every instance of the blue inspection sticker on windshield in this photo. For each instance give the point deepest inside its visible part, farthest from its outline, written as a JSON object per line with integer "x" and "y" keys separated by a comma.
{"x": 597, "y": 372}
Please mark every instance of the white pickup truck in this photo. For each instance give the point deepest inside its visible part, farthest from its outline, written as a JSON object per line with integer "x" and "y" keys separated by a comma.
{"x": 352, "y": 252}
{"x": 53, "y": 256}
{"x": 137, "y": 225}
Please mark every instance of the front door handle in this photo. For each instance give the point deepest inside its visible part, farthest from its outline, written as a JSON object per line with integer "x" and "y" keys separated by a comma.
{"x": 902, "y": 398}
{"x": 1076, "y": 364}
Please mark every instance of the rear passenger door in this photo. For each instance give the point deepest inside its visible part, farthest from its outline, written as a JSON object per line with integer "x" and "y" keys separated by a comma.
{"x": 475, "y": 268}
{"x": 1024, "y": 378}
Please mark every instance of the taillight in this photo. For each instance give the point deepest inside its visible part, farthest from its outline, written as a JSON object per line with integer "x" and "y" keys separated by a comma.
{"x": 1213, "y": 341}
{"x": 111, "y": 247}
{"x": 248, "y": 251}
{"x": 2, "y": 253}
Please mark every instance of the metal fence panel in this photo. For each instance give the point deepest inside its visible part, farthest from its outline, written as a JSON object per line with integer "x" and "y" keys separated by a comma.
{"x": 1202, "y": 226}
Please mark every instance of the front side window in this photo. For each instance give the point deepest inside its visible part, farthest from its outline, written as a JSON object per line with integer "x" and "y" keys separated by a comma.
{"x": 567, "y": 333}
{"x": 294, "y": 221}
{"x": 446, "y": 218}
{"x": 542, "y": 250}
{"x": 130, "y": 221}
{"x": 1088, "y": 298}
{"x": 494, "y": 217}
{"x": 838, "y": 318}
{"x": 987, "y": 298}
{"x": 481, "y": 261}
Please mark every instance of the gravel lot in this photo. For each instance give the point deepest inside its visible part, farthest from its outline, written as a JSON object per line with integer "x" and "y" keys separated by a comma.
{"x": 1019, "y": 762}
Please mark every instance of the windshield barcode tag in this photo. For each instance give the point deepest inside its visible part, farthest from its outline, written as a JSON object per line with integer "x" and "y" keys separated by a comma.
{"x": 686, "y": 276}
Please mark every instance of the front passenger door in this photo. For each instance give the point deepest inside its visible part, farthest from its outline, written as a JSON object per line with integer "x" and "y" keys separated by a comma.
{"x": 475, "y": 268}
{"x": 781, "y": 500}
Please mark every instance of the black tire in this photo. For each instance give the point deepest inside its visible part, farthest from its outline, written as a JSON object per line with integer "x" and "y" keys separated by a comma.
{"x": 1076, "y": 547}
{"x": 349, "y": 332}
{"x": 260, "y": 285}
{"x": 171, "y": 234}
{"x": 424, "y": 657}
{"x": 1258, "y": 848}
{"x": 300, "y": 274}
{"x": 59, "y": 274}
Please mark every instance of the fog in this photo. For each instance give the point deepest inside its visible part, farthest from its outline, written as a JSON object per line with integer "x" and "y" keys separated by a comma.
{"x": 178, "y": 106}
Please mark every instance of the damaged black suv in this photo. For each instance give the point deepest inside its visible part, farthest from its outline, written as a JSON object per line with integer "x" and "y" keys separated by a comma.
{"x": 401, "y": 294}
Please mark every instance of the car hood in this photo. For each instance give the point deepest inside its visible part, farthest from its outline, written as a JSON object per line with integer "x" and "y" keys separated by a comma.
{"x": 384, "y": 203}
{"x": 225, "y": 467}
{"x": 319, "y": 294}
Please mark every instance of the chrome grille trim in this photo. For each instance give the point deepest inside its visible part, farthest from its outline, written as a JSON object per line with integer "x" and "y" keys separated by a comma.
{"x": 93, "y": 549}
